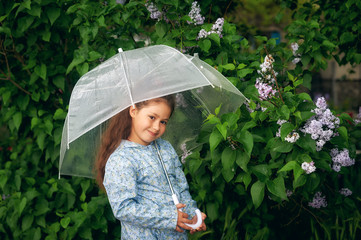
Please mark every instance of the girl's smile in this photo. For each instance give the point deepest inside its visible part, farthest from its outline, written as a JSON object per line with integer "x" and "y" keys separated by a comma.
{"x": 149, "y": 122}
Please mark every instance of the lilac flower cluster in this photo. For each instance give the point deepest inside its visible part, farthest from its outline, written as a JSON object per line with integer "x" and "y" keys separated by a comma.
{"x": 195, "y": 14}
{"x": 180, "y": 101}
{"x": 216, "y": 28}
{"x": 308, "y": 167}
{"x": 289, "y": 193}
{"x": 154, "y": 12}
{"x": 280, "y": 122}
{"x": 346, "y": 192}
{"x": 321, "y": 126}
{"x": 318, "y": 201}
{"x": 297, "y": 58}
{"x": 185, "y": 153}
{"x": 292, "y": 137}
{"x": 265, "y": 83}
{"x": 249, "y": 109}
{"x": 341, "y": 159}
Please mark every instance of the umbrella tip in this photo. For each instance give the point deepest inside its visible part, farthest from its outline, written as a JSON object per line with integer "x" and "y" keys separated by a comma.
{"x": 120, "y": 50}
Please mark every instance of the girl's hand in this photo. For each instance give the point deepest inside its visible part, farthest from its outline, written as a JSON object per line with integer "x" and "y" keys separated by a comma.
{"x": 182, "y": 219}
{"x": 203, "y": 226}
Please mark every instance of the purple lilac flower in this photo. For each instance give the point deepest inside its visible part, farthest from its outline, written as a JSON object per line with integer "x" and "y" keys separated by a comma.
{"x": 185, "y": 153}
{"x": 180, "y": 101}
{"x": 250, "y": 110}
{"x": 265, "y": 83}
{"x": 195, "y": 14}
{"x": 154, "y": 12}
{"x": 308, "y": 167}
{"x": 288, "y": 193}
{"x": 216, "y": 28}
{"x": 297, "y": 56}
{"x": 202, "y": 34}
{"x": 318, "y": 201}
{"x": 321, "y": 126}
{"x": 296, "y": 60}
{"x": 265, "y": 90}
{"x": 346, "y": 192}
{"x": 292, "y": 137}
{"x": 341, "y": 159}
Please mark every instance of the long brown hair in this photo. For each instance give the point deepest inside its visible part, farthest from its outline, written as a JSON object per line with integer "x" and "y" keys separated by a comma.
{"x": 119, "y": 128}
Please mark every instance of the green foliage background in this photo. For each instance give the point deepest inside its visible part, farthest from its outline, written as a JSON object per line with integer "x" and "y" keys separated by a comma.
{"x": 46, "y": 45}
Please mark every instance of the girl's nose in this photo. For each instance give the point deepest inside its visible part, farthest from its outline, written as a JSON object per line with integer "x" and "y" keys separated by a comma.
{"x": 156, "y": 126}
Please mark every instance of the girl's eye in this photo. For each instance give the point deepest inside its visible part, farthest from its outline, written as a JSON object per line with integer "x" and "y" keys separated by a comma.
{"x": 163, "y": 122}
{"x": 151, "y": 117}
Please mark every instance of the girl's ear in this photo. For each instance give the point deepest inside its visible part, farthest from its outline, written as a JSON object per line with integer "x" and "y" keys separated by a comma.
{"x": 132, "y": 111}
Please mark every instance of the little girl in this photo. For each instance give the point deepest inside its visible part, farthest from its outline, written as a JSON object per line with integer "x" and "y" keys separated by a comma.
{"x": 129, "y": 170}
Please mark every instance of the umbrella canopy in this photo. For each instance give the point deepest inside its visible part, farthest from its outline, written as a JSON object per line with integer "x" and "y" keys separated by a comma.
{"x": 134, "y": 76}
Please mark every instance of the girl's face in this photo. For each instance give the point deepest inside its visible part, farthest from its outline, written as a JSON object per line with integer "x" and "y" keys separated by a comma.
{"x": 149, "y": 122}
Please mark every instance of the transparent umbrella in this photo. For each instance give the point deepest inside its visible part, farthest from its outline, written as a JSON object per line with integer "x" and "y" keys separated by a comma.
{"x": 134, "y": 76}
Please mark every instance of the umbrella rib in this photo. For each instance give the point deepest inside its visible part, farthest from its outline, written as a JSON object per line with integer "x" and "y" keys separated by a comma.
{"x": 126, "y": 78}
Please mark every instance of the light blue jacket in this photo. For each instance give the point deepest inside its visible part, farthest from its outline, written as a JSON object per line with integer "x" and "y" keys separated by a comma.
{"x": 139, "y": 193}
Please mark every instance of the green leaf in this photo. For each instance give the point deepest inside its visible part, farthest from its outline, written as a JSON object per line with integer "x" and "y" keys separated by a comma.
{"x": 277, "y": 187}
{"x": 194, "y": 165}
{"x": 290, "y": 76}
{"x": 228, "y": 66}
{"x": 76, "y": 61}
{"x": 24, "y": 23}
{"x": 64, "y": 222}
{"x": 304, "y": 96}
{"x": 228, "y": 158}
{"x": 241, "y": 66}
{"x": 244, "y": 72}
{"x": 40, "y": 140}
{"x": 343, "y": 132}
{"x": 212, "y": 210}
{"x": 245, "y": 178}
{"x": 41, "y": 71}
{"x": 289, "y": 166}
{"x": 17, "y": 118}
{"x": 6, "y": 96}
{"x": 215, "y": 37}
{"x": 27, "y": 222}
{"x": 246, "y": 139}
{"x": 161, "y": 29}
{"x": 223, "y": 129}
{"x": 279, "y": 146}
{"x": 305, "y": 59}
{"x": 284, "y": 111}
{"x": 59, "y": 114}
{"x": 286, "y": 128}
{"x": 205, "y": 44}
{"x": 307, "y": 143}
{"x": 242, "y": 159}
{"x": 257, "y": 193}
{"x": 93, "y": 55}
{"x": 228, "y": 174}
{"x": 214, "y": 139}
{"x": 22, "y": 205}
{"x": 328, "y": 44}
{"x": 52, "y": 13}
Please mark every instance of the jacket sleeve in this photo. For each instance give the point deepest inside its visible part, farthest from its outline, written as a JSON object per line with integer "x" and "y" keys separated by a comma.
{"x": 184, "y": 194}
{"x": 121, "y": 187}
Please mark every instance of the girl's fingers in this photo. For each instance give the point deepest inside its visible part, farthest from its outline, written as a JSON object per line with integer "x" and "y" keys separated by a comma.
{"x": 178, "y": 229}
{"x": 180, "y": 205}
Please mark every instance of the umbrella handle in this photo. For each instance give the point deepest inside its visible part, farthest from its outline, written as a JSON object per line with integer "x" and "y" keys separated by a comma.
{"x": 198, "y": 213}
